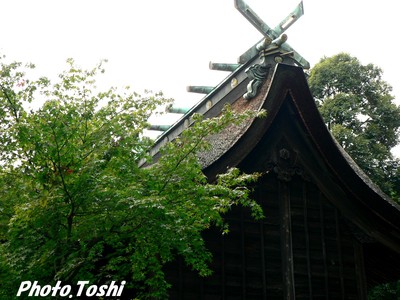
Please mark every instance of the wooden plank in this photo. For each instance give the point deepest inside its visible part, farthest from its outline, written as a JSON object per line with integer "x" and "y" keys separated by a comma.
{"x": 339, "y": 249}
{"x": 286, "y": 242}
{"x": 263, "y": 269}
{"x": 307, "y": 238}
{"x": 322, "y": 218}
{"x": 360, "y": 270}
{"x": 223, "y": 278}
{"x": 243, "y": 252}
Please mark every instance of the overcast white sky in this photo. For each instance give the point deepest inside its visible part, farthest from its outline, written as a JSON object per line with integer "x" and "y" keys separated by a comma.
{"x": 167, "y": 45}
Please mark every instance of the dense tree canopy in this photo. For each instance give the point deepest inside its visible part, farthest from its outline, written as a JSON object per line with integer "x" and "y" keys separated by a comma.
{"x": 358, "y": 108}
{"x": 74, "y": 205}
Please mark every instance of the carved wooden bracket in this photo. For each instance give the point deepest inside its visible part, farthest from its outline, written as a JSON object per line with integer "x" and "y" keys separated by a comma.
{"x": 286, "y": 166}
{"x": 257, "y": 73}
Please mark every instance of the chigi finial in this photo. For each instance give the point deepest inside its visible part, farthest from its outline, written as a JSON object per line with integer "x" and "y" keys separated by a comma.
{"x": 278, "y": 30}
{"x": 273, "y": 48}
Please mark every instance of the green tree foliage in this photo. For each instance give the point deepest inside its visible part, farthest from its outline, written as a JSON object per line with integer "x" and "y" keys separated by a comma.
{"x": 358, "y": 108}
{"x": 74, "y": 205}
{"x": 388, "y": 291}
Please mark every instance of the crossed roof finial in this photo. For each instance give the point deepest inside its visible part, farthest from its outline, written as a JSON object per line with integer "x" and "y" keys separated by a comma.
{"x": 274, "y": 33}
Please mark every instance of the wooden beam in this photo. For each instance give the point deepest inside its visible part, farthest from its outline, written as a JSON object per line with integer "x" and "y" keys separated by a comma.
{"x": 360, "y": 270}
{"x": 307, "y": 238}
{"x": 286, "y": 242}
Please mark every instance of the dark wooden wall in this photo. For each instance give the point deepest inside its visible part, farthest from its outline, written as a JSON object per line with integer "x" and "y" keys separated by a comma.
{"x": 303, "y": 249}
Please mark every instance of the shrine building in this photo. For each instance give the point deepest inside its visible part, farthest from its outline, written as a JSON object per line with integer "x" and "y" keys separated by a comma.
{"x": 329, "y": 232}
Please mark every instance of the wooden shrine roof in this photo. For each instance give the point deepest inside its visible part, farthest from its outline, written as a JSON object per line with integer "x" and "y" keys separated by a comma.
{"x": 359, "y": 199}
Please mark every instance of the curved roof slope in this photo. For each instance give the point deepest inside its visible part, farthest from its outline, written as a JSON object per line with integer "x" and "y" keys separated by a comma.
{"x": 294, "y": 118}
